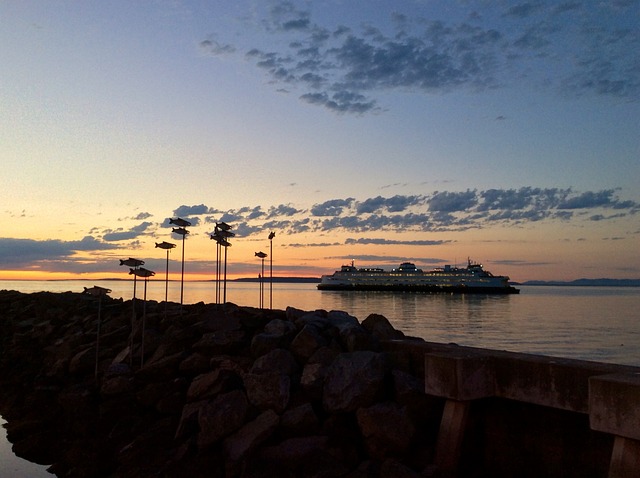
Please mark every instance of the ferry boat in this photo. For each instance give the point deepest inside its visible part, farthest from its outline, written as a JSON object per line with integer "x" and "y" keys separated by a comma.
{"x": 472, "y": 279}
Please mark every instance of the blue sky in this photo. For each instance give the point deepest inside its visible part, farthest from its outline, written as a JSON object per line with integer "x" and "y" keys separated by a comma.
{"x": 421, "y": 130}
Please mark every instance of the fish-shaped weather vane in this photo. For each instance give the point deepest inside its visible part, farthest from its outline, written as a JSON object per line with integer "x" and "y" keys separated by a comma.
{"x": 180, "y": 230}
{"x": 142, "y": 272}
{"x": 96, "y": 291}
{"x": 179, "y": 222}
{"x": 165, "y": 245}
{"x": 131, "y": 262}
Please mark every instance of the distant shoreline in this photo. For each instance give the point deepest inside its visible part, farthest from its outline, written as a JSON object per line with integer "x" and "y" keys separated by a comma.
{"x": 290, "y": 280}
{"x": 587, "y": 283}
{"x": 315, "y": 280}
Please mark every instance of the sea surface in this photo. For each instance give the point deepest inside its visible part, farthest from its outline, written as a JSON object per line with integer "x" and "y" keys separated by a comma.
{"x": 588, "y": 323}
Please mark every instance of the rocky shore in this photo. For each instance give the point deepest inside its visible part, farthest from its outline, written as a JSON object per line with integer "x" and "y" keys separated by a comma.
{"x": 94, "y": 389}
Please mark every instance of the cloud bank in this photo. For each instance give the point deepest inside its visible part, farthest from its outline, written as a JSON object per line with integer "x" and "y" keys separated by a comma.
{"x": 577, "y": 48}
{"x": 394, "y": 220}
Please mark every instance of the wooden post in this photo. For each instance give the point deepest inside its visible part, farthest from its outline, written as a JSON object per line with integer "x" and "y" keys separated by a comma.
{"x": 452, "y": 426}
{"x": 625, "y": 458}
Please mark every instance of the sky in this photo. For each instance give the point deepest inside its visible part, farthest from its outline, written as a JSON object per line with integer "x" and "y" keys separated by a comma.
{"x": 505, "y": 132}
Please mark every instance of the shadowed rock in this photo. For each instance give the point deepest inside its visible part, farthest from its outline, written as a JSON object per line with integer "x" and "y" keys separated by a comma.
{"x": 223, "y": 391}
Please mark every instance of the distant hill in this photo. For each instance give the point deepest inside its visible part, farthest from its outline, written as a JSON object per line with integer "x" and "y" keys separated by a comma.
{"x": 589, "y": 282}
{"x": 298, "y": 280}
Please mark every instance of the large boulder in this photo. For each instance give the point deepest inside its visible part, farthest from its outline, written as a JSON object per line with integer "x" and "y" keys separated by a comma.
{"x": 354, "y": 380}
{"x": 252, "y": 434}
{"x": 307, "y": 341}
{"x": 387, "y": 430}
{"x": 270, "y": 390}
{"x": 221, "y": 417}
{"x": 211, "y": 384}
{"x": 380, "y": 327}
{"x": 276, "y": 361}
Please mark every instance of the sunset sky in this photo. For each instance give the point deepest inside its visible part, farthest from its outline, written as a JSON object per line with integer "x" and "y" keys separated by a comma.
{"x": 378, "y": 131}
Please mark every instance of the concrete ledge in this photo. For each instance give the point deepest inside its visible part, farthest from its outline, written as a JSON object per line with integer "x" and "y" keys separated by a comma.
{"x": 614, "y": 404}
{"x": 459, "y": 376}
{"x": 469, "y": 373}
{"x": 547, "y": 381}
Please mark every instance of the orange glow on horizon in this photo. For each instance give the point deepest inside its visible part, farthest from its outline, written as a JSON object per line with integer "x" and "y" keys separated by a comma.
{"x": 11, "y": 275}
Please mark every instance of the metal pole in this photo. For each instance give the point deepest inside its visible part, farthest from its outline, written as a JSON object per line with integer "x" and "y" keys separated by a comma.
{"x": 166, "y": 283}
{"x": 271, "y": 270}
{"x": 218, "y": 250}
{"x": 98, "y": 335}
{"x": 144, "y": 317}
{"x": 224, "y": 301}
{"x": 133, "y": 320}
{"x": 182, "y": 277}
{"x": 260, "y": 288}
{"x": 98, "y": 292}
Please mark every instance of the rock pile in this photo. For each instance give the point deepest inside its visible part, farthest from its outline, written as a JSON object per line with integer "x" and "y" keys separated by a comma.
{"x": 221, "y": 391}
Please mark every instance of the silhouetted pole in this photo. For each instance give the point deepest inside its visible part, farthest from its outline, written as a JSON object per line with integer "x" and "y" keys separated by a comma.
{"x": 98, "y": 292}
{"x": 220, "y": 234}
{"x": 216, "y": 236}
{"x": 224, "y": 295}
{"x": 218, "y": 252}
{"x": 261, "y": 255}
{"x": 145, "y": 273}
{"x": 182, "y": 224}
{"x": 135, "y": 263}
{"x": 166, "y": 246}
{"x": 271, "y": 236}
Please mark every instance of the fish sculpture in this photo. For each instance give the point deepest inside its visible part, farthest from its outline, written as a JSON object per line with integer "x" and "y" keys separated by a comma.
{"x": 179, "y": 222}
{"x": 223, "y": 226}
{"x": 261, "y": 255}
{"x": 142, "y": 272}
{"x": 223, "y": 233}
{"x": 220, "y": 240}
{"x": 272, "y": 235}
{"x": 96, "y": 291}
{"x": 180, "y": 230}
{"x": 165, "y": 245}
{"x": 131, "y": 262}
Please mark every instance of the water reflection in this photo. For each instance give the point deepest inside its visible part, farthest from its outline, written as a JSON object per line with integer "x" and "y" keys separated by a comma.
{"x": 420, "y": 313}
{"x": 14, "y": 467}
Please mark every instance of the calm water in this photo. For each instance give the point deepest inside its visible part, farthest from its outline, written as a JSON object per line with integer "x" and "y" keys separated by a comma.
{"x": 590, "y": 323}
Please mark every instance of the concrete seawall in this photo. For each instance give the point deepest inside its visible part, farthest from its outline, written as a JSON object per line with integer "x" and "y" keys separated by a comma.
{"x": 514, "y": 414}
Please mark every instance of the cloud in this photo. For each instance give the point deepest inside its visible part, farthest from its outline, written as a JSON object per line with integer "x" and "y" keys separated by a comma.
{"x": 127, "y": 235}
{"x": 590, "y": 199}
{"x": 282, "y": 210}
{"x": 25, "y": 252}
{"x": 312, "y": 244}
{"x": 187, "y": 211}
{"x": 440, "y": 211}
{"x": 344, "y": 69}
{"x": 142, "y": 216}
{"x": 213, "y": 47}
{"x": 333, "y": 207}
{"x": 285, "y": 16}
{"x": 394, "y": 242}
{"x": 396, "y": 203}
{"x": 446, "y": 202}
{"x": 523, "y": 10}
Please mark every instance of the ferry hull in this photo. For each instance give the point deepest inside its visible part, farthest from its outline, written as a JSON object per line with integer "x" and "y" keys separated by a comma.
{"x": 434, "y": 289}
